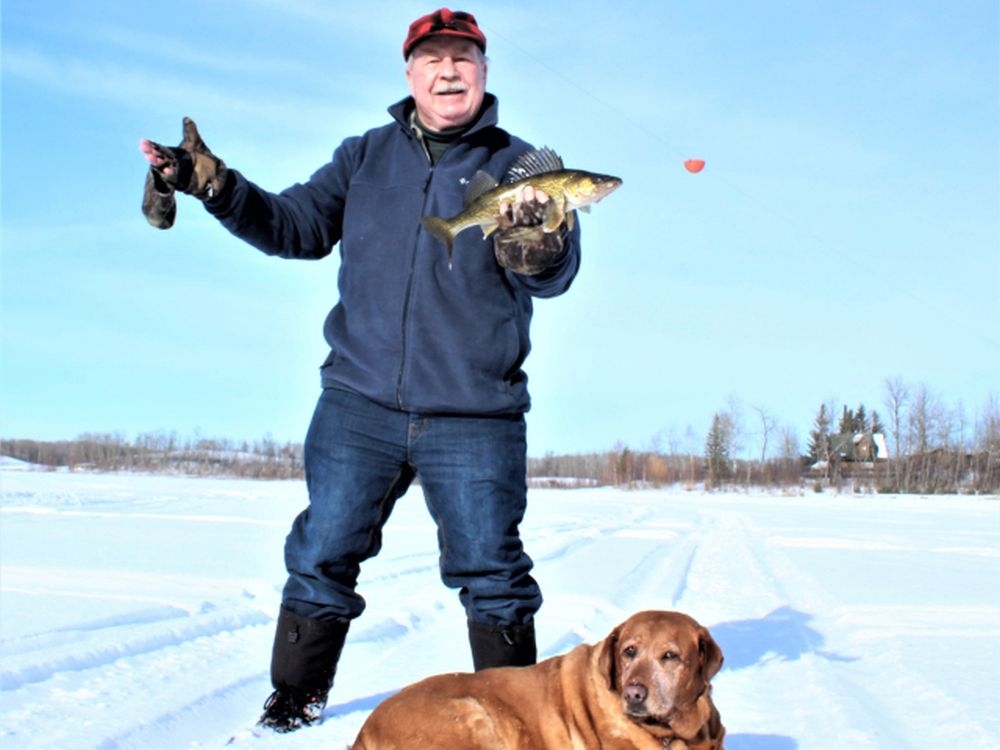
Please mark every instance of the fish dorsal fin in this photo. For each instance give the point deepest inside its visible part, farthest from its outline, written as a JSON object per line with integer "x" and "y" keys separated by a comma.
{"x": 533, "y": 162}
{"x": 481, "y": 183}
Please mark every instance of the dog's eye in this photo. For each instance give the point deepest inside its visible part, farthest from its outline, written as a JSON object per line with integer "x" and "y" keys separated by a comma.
{"x": 670, "y": 656}
{"x": 630, "y": 652}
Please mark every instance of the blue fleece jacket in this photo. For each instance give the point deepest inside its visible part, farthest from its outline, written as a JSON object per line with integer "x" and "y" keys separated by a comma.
{"x": 408, "y": 331}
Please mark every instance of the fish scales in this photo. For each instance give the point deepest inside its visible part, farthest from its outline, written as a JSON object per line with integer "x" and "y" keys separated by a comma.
{"x": 567, "y": 189}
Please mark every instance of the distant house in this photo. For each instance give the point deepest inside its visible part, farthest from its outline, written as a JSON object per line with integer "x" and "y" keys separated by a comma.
{"x": 867, "y": 447}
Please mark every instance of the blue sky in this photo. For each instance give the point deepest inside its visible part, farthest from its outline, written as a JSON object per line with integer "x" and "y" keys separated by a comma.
{"x": 845, "y": 229}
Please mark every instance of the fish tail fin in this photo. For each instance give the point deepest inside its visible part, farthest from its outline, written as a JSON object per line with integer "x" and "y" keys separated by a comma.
{"x": 439, "y": 228}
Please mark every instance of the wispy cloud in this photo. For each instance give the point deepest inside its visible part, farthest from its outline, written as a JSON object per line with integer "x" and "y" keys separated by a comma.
{"x": 133, "y": 87}
{"x": 177, "y": 50}
{"x": 171, "y": 93}
{"x": 351, "y": 20}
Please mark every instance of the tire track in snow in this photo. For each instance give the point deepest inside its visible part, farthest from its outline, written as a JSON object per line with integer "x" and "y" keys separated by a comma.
{"x": 409, "y": 614}
{"x": 182, "y": 725}
{"x": 774, "y": 653}
{"x": 647, "y": 559}
{"x": 36, "y": 658}
{"x": 164, "y": 680}
{"x": 780, "y": 654}
{"x": 659, "y": 580}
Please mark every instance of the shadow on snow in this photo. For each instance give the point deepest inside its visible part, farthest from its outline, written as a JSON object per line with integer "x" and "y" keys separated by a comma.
{"x": 785, "y": 634}
{"x": 759, "y": 742}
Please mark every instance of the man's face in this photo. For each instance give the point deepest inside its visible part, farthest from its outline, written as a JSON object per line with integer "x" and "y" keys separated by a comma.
{"x": 447, "y": 78}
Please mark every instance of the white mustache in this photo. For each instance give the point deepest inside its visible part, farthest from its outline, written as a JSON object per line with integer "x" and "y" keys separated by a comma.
{"x": 451, "y": 90}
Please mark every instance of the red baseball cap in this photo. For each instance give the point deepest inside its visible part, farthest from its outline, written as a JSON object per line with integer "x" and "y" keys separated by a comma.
{"x": 444, "y": 22}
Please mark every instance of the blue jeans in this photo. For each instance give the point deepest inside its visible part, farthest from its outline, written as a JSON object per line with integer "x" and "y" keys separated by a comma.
{"x": 361, "y": 457}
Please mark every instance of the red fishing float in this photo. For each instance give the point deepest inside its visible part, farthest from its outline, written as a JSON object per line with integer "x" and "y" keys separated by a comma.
{"x": 694, "y": 165}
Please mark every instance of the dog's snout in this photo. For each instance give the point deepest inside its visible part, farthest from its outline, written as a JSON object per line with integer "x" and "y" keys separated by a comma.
{"x": 635, "y": 694}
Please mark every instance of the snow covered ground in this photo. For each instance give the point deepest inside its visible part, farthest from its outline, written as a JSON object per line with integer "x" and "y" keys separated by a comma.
{"x": 137, "y": 612}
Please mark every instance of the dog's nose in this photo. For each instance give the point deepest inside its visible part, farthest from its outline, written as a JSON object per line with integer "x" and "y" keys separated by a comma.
{"x": 635, "y": 694}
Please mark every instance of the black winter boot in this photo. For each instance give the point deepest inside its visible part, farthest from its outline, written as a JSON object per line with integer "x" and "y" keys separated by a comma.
{"x": 303, "y": 663}
{"x": 495, "y": 646}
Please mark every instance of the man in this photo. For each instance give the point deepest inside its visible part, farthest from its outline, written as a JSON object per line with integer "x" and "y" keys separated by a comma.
{"x": 424, "y": 374}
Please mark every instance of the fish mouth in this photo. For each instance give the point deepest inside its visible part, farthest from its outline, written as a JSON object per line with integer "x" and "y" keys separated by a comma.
{"x": 606, "y": 186}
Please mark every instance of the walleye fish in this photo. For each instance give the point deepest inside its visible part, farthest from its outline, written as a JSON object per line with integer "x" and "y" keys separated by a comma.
{"x": 568, "y": 190}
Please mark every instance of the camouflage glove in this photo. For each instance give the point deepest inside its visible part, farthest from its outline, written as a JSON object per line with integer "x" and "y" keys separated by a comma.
{"x": 521, "y": 244}
{"x": 190, "y": 168}
{"x": 159, "y": 205}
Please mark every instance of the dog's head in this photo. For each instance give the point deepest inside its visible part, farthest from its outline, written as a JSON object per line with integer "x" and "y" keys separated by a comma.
{"x": 660, "y": 665}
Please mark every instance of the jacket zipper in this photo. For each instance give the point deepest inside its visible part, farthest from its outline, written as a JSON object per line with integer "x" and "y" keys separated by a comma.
{"x": 409, "y": 286}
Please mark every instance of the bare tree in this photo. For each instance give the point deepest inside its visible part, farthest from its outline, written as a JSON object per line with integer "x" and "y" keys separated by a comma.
{"x": 739, "y": 442}
{"x": 691, "y": 438}
{"x": 790, "y": 455}
{"x": 897, "y": 394}
{"x": 988, "y": 427}
{"x": 767, "y": 425}
{"x": 924, "y": 419}
{"x": 987, "y": 442}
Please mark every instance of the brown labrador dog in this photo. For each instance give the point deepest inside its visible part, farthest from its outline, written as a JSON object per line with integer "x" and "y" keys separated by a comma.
{"x": 644, "y": 687}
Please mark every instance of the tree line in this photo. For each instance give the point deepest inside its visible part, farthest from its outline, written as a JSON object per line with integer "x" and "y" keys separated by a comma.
{"x": 163, "y": 453}
{"x": 928, "y": 446}
{"x": 922, "y": 445}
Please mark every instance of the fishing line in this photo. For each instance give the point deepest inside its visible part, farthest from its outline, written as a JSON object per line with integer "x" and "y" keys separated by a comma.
{"x": 820, "y": 243}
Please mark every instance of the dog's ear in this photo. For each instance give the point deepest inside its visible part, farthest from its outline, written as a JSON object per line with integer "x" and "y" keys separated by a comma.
{"x": 607, "y": 659}
{"x": 711, "y": 654}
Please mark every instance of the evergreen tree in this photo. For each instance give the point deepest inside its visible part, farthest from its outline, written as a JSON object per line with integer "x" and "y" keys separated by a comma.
{"x": 860, "y": 420}
{"x": 819, "y": 437}
{"x": 877, "y": 425}
{"x": 717, "y": 448}
{"x": 846, "y": 426}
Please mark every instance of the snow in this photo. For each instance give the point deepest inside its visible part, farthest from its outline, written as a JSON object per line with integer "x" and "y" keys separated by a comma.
{"x": 137, "y": 611}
